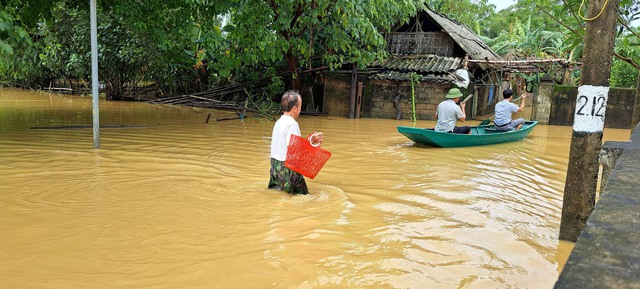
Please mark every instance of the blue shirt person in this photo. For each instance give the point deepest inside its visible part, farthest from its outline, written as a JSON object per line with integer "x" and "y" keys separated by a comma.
{"x": 505, "y": 110}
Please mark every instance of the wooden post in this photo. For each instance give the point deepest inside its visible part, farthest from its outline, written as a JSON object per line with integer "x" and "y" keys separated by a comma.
{"x": 354, "y": 83}
{"x": 359, "y": 99}
{"x": 591, "y": 104}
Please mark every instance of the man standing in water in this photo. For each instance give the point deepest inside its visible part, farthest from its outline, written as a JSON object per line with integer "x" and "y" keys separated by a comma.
{"x": 505, "y": 109}
{"x": 281, "y": 177}
{"x": 449, "y": 111}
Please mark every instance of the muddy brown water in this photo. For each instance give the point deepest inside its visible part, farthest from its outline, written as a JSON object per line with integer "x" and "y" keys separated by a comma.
{"x": 174, "y": 202}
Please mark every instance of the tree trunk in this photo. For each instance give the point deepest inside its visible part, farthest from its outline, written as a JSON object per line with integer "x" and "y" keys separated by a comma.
{"x": 292, "y": 63}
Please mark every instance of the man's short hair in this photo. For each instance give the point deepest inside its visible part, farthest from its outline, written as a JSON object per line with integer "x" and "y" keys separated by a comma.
{"x": 507, "y": 93}
{"x": 290, "y": 100}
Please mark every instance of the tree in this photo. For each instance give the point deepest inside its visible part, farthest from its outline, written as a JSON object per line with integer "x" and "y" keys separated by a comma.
{"x": 306, "y": 33}
{"x": 570, "y": 15}
{"x": 522, "y": 40}
{"x": 477, "y": 15}
{"x": 17, "y": 50}
{"x": 148, "y": 41}
{"x": 138, "y": 41}
{"x": 555, "y": 29}
{"x": 65, "y": 43}
{"x": 624, "y": 73}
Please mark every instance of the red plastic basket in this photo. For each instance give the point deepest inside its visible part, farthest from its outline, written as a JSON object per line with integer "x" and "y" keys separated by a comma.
{"x": 304, "y": 158}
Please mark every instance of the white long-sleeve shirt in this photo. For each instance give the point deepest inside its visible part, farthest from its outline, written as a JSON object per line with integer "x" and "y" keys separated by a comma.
{"x": 282, "y": 131}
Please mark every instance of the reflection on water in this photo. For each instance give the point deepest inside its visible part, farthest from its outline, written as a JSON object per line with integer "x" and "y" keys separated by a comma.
{"x": 180, "y": 203}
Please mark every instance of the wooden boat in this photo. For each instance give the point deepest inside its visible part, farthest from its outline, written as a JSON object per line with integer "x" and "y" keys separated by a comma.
{"x": 480, "y": 135}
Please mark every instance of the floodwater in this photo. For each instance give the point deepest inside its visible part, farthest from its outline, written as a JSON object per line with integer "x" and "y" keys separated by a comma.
{"x": 170, "y": 201}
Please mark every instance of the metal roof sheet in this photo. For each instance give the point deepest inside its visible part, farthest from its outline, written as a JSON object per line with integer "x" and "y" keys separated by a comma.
{"x": 404, "y": 76}
{"x": 420, "y": 63}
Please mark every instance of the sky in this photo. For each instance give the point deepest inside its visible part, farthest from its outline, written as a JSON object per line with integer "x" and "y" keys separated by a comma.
{"x": 501, "y": 4}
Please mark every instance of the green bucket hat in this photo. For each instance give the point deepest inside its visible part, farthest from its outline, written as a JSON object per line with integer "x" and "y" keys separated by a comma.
{"x": 453, "y": 93}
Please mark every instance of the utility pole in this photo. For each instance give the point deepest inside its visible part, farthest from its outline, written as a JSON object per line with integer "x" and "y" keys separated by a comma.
{"x": 94, "y": 74}
{"x": 588, "y": 124}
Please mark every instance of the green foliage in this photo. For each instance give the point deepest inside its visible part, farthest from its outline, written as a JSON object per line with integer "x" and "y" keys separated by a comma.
{"x": 20, "y": 69}
{"x": 540, "y": 29}
{"x": 7, "y": 33}
{"x": 275, "y": 88}
{"x": 529, "y": 29}
{"x": 31, "y": 12}
{"x": 66, "y": 43}
{"x": 629, "y": 11}
{"x": 524, "y": 40}
{"x": 16, "y": 51}
{"x": 261, "y": 103}
{"x": 306, "y": 33}
{"x": 123, "y": 55}
{"x": 551, "y": 29}
{"x": 624, "y": 74}
{"x": 192, "y": 45}
{"x": 152, "y": 41}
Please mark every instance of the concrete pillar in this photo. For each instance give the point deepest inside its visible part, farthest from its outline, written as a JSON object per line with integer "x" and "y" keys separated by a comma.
{"x": 636, "y": 108}
{"x": 542, "y": 102}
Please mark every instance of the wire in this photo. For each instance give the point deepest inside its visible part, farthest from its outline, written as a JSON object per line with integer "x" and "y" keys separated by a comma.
{"x": 589, "y": 19}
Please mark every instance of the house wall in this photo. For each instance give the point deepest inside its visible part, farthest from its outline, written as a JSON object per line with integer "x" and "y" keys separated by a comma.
{"x": 415, "y": 43}
{"x": 556, "y": 104}
{"x": 553, "y": 104}
{"x": 337, "y": 93}
{"x": 378, "y": 97}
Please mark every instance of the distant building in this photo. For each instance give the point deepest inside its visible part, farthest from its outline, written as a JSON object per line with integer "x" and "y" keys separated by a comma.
{"x": 430, "y": 45}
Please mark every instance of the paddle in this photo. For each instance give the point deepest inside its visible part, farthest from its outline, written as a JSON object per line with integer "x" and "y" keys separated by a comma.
{"x": 468, "y": 97}
{"x": 488, "y": 120}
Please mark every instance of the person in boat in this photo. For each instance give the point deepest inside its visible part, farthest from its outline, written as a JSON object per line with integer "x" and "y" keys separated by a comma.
{"x": 281, "y": 177}
{"x": 449, "y": 112}
{"x": 505, "y": 110}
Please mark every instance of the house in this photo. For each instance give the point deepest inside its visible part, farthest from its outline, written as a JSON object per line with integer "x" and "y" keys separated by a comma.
{"x": 432, "y": 47}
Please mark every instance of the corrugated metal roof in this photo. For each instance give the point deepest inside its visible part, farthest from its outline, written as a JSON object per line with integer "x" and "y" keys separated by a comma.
{"x": 428, "y": 67}
{"x": 404, "y": 76}
{"x": 420, "y": 63}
